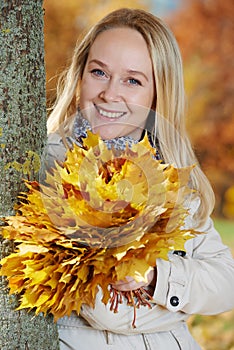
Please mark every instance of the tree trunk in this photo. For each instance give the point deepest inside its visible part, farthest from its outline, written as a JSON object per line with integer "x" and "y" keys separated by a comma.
{"x": 22, "y": 136}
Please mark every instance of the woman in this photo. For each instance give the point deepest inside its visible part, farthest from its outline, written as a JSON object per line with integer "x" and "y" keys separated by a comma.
{"x": 125, "y": 77}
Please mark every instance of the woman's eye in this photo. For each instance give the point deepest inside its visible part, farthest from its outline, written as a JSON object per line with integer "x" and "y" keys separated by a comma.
{"x": 98, "y": 72}
{"x": 133, "y": 81}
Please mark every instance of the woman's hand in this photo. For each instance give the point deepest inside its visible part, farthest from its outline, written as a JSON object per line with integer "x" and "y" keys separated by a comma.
{"x": 129, "y": 283}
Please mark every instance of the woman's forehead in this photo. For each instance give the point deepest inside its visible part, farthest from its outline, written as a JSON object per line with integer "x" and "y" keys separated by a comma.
{"x": 124, "y": 44}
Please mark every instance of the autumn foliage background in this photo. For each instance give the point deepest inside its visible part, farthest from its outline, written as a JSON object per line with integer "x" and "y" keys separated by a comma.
{"x": 204, "y": 30}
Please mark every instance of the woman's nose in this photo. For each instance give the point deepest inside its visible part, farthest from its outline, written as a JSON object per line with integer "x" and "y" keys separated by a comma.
{"x": 111, "y": 91}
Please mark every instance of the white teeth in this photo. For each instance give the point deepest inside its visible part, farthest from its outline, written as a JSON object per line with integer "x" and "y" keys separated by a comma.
{"x": 110, "y": 114}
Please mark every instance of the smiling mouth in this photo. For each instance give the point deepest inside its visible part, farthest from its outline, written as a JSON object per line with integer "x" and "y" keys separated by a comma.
{"x": 108, "y": 114}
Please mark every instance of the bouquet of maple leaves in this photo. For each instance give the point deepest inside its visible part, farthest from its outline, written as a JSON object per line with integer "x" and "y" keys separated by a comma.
{"x": 100, "y": 216}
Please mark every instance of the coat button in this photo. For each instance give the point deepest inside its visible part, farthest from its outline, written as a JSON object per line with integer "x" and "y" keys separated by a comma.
{"x": 174, "y": 301}
{"x": 180, "y": 253}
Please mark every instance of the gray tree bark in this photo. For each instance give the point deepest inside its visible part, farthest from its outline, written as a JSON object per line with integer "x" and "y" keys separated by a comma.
{"x": 22, "y": 136}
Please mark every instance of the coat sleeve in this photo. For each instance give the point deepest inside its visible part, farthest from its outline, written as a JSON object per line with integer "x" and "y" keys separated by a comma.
{"x": 54, "y": 151}
{"x": 202, "y": 281}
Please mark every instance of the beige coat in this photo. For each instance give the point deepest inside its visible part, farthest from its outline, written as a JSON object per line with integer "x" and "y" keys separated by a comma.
{"x": 201, "y": 282}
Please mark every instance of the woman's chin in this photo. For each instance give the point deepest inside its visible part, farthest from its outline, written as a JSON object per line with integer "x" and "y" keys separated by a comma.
{"x": 106, "y": 133}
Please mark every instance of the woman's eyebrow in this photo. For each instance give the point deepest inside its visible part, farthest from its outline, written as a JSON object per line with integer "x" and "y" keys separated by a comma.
{"x": 132, "y": 71}
{"x": 100, "y": 63}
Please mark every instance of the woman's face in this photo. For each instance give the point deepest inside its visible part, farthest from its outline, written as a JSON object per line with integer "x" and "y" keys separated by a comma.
{"x": 117, "y": 87}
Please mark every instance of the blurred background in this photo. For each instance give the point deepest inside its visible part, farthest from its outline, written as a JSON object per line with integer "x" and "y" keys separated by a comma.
{"x": 204, "y": 30}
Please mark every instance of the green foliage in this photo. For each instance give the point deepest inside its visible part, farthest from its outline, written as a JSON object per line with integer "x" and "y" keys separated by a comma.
{"x": 216, "y": 332}
{"x": 226, "y": 230}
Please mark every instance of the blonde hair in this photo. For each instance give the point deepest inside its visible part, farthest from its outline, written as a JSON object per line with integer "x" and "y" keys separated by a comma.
{"x": 169, "y": 116}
